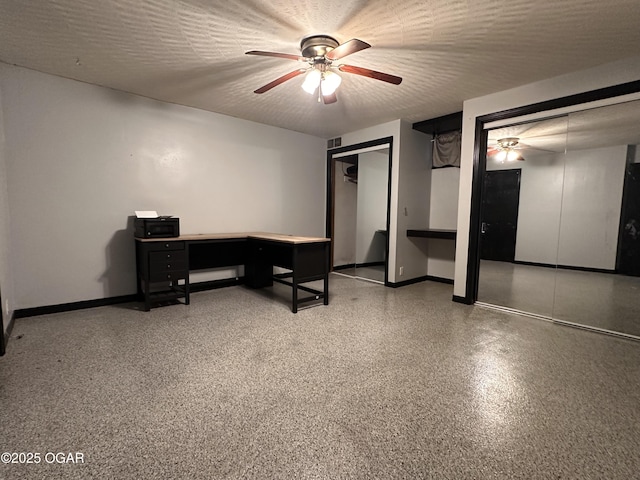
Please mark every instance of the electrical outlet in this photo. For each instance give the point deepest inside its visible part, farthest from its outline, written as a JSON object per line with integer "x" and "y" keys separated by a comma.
{"x": 401, "y": 271}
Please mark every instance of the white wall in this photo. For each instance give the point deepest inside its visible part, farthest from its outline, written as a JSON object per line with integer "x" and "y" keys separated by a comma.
{"x": 373, "y": 181}
{"x": 344, "y": 221}
{"x": 539, "y": 210}
{"x": 591, "y": 204}
{"x": 414, "y": 198}
{"x": 81, "y": 158}
{"x": 569, "y": 208}
{"x": 443, "y": 215}
{"x": 6, "y": 285}
{"x": 539, "y": 207}
{"x": 577, "y": 82}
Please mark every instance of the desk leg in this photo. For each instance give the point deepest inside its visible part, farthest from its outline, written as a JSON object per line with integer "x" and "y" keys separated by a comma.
{"x": 294, "y": 286}
{"x": 326, "y": 289}
{"x": 294, "y": 281}
{"x": 326, "y": 273}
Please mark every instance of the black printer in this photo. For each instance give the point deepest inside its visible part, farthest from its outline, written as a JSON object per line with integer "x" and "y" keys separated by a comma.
{"x": 159, "y": 227}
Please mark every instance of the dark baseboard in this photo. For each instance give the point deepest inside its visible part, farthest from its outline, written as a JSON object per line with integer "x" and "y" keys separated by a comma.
{"x": 464, "y": 300}
{"x": 564, "y": 267}
{"x": 370, "y": 264}
{"x": 420, "y": 279}
{"x": 358, "y": 265}
{"x": 448, "y": 281}
{"x": 344, "y": 267}
{"x": 101, "y": 302}
{"x": 68, "y": 307}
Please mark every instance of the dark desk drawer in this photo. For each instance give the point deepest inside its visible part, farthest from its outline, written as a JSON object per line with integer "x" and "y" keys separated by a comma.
{"x": 168, "y": 264}
{"x": 165, "y": 245}
{"x": 311, "y": 260}
{"x": 165, "y": 274}
{"x": 167, "y": 267}
{"x": 177, "y": 257}
{"x": 279, "y": 254}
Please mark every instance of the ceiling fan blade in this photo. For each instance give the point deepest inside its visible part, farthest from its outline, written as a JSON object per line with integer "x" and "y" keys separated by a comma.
{"x": 327, "y": 99}
{"x": 275, "y": 54}
{"x": 365, "y": 72}
{"x": 280, "y": 80}
{"x": 347, "y": 48}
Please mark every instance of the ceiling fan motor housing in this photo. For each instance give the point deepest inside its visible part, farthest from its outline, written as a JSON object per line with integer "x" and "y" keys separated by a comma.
{"x": 317, "y": 46}
{"x": 508, "y": 142}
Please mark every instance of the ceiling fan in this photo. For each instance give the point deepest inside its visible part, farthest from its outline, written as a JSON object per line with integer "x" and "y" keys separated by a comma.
{"x": 505, "y": 150}
{"x": 320, "y": 52}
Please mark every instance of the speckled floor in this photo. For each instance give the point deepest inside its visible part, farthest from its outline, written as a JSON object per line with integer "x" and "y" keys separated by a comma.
{"x": 381, "y": 384}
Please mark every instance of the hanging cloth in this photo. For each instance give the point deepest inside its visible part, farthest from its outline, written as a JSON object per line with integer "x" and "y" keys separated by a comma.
{"x": 446, "y": 150}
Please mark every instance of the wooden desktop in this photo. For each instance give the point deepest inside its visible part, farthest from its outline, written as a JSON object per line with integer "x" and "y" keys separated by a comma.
{"x": 164, "y": 264}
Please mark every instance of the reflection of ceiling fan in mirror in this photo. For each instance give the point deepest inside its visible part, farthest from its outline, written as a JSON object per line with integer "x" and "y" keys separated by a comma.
{"x": 320, "y": 52}
{"x": 506, "y": 150}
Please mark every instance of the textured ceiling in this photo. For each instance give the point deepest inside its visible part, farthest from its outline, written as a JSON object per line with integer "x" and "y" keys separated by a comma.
{"x": 191, "y": 52}
{"x": 586, "y": 129}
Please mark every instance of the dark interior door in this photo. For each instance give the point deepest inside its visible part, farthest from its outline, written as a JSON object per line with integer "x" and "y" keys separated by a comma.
{"x": 501, "y": 197}
{"x": 629, "y": 244}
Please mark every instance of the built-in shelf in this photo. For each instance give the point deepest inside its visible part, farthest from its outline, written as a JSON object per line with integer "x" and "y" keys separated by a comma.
{"x": 433, "y": 233}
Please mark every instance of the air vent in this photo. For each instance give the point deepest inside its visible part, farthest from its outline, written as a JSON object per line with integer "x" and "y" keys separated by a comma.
{"x": 334, "y": 142}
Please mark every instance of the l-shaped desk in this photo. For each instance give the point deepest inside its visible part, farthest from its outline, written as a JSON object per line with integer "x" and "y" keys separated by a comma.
{"x": 164, "y": 264}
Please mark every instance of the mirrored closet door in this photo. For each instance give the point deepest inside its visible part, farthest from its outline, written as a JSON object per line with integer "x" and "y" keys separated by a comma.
{"x": 360, "y": 213}
{"x": 599, "y": 282}
{"x": 521, "y": 210}
{"x": 560, "y": 233}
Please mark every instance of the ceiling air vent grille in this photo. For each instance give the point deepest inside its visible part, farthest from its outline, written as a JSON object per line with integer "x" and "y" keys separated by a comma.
{"x": 334, "y": 142}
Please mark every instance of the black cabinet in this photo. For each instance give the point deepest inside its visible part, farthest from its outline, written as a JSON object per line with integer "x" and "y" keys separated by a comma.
{"x": 163, "y": 271}
{"x": 258, "y": 269}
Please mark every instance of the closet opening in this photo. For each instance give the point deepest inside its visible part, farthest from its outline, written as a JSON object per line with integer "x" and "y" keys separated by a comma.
{"x": 358, "y": 199}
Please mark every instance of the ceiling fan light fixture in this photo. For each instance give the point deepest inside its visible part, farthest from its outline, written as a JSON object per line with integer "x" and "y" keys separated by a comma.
{"x": 513, "y": 156}
{"x": 330, "y": 82}
{"x": 509, "y": 155}
{"x": 507, "y": 150}
{"x": 312, "y": 81}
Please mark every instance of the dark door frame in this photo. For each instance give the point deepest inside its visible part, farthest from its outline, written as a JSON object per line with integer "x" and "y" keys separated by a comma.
{"x": 480, "y": 166}
{"x": 627, "y": 191}
{"x": 331, "y": 192}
